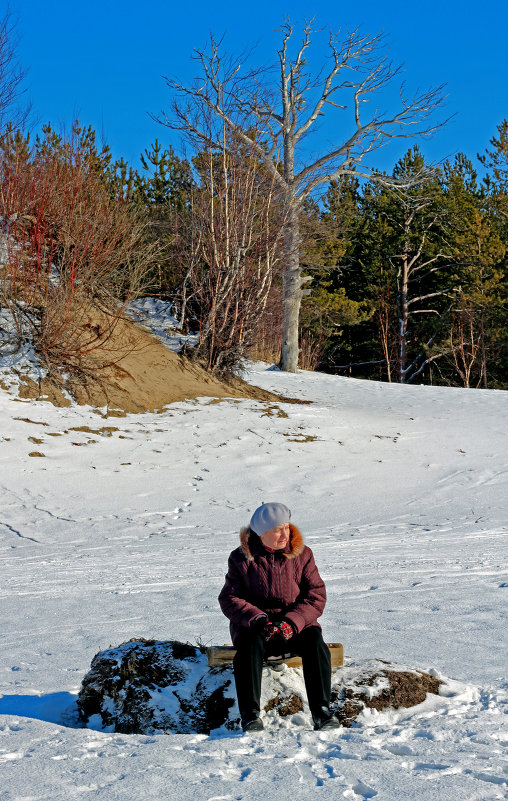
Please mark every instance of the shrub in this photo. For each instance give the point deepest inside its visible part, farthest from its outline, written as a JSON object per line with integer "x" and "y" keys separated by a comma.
{"x": 72, "y": 248}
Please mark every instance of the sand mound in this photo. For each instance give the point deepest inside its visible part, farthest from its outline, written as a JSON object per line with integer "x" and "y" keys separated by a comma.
{"x": 133, "y": 372}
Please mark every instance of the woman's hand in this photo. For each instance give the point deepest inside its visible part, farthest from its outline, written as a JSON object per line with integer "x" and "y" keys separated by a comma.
{"x": 286, "y": 629}
{"x": 272, "y": 630}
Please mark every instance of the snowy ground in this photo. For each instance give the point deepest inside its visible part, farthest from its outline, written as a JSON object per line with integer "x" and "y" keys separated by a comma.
{"x": 400, "y": 491}
{"x": 156, "y": 315}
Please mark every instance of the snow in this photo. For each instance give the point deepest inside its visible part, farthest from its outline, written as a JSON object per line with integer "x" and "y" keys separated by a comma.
{"x": 121, "y": 533}
{"x": 157, "y": 315}
{"x": 17, "y": 354}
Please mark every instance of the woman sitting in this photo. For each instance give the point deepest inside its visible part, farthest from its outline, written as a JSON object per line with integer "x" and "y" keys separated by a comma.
{"x": 273, "y": 596}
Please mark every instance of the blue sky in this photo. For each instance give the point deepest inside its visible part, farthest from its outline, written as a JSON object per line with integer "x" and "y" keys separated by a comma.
{"x": 103, "y": 62}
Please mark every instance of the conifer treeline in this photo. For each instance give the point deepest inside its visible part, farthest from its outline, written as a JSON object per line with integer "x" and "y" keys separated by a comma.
{"x": 427, "y": 267}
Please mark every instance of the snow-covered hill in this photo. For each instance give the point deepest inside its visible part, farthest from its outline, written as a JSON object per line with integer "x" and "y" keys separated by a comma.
{"x": 121, "y": 528}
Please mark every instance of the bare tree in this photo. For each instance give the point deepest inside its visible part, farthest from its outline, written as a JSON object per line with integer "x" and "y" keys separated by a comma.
{"x": 467, "y": 346}
{"x": 419, "y": 223}
{"x": 274, "y": 119}
{"x": 232, "y": 250}
{"x": 11, "y": 77}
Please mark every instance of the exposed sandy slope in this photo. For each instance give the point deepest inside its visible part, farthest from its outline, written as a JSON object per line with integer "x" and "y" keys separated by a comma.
{"x": 133, "y": 372}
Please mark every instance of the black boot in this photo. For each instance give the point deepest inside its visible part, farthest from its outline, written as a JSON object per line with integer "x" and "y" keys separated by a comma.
{"x": 252, "y": 724}
{"x": 324, "y": 719}
{"x": 317, "y": 672}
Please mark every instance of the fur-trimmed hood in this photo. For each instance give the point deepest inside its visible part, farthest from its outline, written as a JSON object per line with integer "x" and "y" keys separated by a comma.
{"x": 249, "y": 542}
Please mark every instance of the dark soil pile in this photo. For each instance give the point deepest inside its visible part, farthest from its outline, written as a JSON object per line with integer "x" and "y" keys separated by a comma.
{"x": 285, "y": 705}
{"x": 147, "y": 685}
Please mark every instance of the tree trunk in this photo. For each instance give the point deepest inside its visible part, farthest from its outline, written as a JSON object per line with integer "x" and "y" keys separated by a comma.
{"x": 292, "y": 292}
{"x": 484, "y": 354}
{"x": 383, "y": 325}
{"x": 402, "y": 301}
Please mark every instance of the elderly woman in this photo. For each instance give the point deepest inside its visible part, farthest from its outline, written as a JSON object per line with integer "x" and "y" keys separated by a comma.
{"x": 273, "y": 596}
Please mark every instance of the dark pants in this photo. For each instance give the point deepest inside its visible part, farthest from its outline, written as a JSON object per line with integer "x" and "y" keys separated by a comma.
{"x": 248, "y": 664}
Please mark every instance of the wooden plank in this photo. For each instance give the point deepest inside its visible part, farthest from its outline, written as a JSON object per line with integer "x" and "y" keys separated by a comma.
{"x": 219, "y": 655}
{"x": 222, "y": 655}
{"x": 336, "y": 653}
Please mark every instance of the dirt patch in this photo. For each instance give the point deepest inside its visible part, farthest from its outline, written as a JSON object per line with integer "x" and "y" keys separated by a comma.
{"x": 285, "y": 705}
{"x": 133, "y": 372}
{"x": 274, "y": 411}
{"x": 27, "y": 420}
{"x": 37, "y": 454}
{"x": 105, "y": 431}
{"x": 398, "y": 688}
{"x": 46, "y": 389}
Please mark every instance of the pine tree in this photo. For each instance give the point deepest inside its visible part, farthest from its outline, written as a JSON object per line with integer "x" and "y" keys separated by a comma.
{"x": 406, "y": 266}
{"x": 163, "y": 189}
{"x": 477, "y": 329}
{"x": 329, "y": 232}
{"x": 496, "y": 160}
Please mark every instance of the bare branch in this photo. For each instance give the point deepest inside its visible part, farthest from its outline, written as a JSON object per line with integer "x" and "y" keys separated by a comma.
{"x": 434, "y": 269}
{"x": 184, "y": 122}
{"x": 340, "y": 57}
{"x": 432, "y": 295}
{"x": 11, "y": 78}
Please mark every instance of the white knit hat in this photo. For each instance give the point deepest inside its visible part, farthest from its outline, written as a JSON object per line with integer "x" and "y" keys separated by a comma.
{"x": 269, "y": 515}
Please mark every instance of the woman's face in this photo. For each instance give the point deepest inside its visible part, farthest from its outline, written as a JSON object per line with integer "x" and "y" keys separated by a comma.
{"x": 276, "y": 538}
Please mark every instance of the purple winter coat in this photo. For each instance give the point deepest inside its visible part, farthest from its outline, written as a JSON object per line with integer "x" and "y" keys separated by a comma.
{"x": 285, "y": 584}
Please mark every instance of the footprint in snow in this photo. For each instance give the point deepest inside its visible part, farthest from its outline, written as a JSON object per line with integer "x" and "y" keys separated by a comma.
{"x": 11, "y": 756}
{"x": 362, "y": 790}
{"x": 427, "y": 735}
{"x": 488, "y": 777}
{"x": 400, "y": 750}
{"x": 220, "y": 798}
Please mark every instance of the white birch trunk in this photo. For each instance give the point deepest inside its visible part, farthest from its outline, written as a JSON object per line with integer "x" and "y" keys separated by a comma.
{"x": 292, "y": 293}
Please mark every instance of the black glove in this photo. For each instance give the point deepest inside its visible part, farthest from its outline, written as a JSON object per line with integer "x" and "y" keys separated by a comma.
{"x": 270, "y": 631}
{"x": 259, "y": 623}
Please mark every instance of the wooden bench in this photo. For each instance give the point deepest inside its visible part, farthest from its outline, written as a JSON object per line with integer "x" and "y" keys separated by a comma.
{"x": 222, "y": 656}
